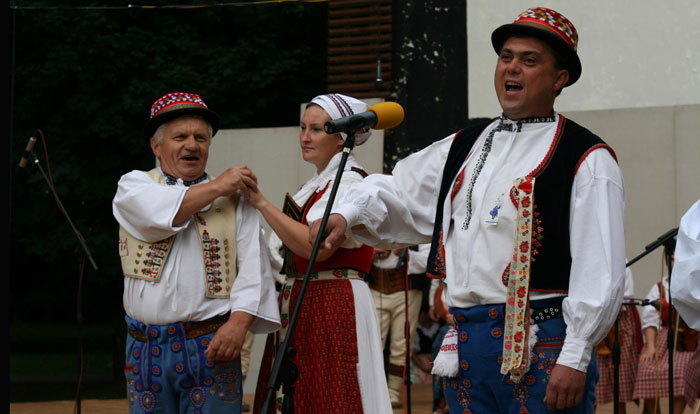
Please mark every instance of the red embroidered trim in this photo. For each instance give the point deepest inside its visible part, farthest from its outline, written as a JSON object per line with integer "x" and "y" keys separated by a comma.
{"x": 455, "y": 136}
{"x": 154, "y": 258}
{"x": 504, "y": 275}
{"x": 512, "y": 196}
{"x": 552, "y": 148}
{"x": 549, "y": 345}
{"x": 548, "y": 291}
{"x": 312, "y": 200}
{"x": 537, "y": 235}
{"x": 595, "y": 147}
{"x": 458, "y": 183}
{"x": 460, "y": 177}
{"x": 439, "y": 271}
{"x": 211, "y": 263}
{"x": 360, "y": 171}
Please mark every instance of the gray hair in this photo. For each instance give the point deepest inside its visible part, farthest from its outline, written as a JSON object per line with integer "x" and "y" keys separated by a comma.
{"x": 158, "y": 135}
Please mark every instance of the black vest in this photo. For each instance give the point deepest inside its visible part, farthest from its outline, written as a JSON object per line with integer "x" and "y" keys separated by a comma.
{"x": 551, "y": 256}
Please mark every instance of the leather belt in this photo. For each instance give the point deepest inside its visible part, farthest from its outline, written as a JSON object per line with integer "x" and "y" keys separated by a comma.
{"x": 387, "y": 280}
{"x": 192, "y": 329}
{"x": 547, "y": 313}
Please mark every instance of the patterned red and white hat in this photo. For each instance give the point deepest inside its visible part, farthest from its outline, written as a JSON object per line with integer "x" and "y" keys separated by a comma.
{"x": 549, "y": 26}
{"x": 176, "y": 104}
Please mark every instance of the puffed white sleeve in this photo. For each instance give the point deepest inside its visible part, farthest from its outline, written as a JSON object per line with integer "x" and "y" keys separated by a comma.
{"x": 685, "y": 276}
{"x": 397, "y": 210}
{"x": 316, "y": 211}
{"x": 276, "y": 248}
{"x": 253, "y": 291}
{"x": 434, "y": 285}
{"x": 418, "y": 259}
{"x": 597, "y": 237}
{"x": 145, "y": 208}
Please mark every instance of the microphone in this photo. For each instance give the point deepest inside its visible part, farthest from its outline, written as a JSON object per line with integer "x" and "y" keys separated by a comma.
{"x": 383, "y": 115}
{"x": 28, "y": 150}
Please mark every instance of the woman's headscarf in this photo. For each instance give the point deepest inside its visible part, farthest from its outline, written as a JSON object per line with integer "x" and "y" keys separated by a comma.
{"x": 340, "y": 106}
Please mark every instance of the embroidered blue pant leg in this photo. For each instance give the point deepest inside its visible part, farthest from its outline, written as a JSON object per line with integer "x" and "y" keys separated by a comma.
{"x": 480, "y": 388}
{"x": 168, "y": 373}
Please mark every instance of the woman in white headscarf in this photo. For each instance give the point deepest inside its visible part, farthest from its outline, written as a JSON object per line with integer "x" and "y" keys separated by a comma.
{"x": 336, "y": 337}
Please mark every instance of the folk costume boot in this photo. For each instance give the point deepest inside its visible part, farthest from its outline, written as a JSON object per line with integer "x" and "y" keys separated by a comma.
{"x": 395, "y": 384}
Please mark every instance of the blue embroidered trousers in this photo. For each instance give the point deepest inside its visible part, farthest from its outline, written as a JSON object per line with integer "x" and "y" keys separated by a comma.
{"x": 169, "y": 373}
{"x": 481, "y": 388}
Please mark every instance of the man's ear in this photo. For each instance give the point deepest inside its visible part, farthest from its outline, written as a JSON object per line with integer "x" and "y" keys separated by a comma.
{"x": 562, "y": 78}
{"x": 155, "y": 147}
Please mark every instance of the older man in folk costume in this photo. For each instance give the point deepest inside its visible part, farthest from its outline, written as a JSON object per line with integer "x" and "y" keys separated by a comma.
{"x": 196, "y": 268}
{"x": 527, "y": 230}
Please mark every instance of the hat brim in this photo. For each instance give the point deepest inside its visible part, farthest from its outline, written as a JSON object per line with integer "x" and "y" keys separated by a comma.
{"x": 158, "y": 120}
{"x": 570, "y": 58}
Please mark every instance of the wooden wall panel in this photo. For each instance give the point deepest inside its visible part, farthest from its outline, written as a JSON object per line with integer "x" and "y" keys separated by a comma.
{"x": 359, "y": 41}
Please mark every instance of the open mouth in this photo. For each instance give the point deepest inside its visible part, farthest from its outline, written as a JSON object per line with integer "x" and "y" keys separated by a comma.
{"x": 190, "y": 158}
{"x": 513, "y": 86}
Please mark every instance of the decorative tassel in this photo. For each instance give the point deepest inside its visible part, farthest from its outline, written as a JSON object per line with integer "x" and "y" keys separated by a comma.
{"x": 446, "y": 362}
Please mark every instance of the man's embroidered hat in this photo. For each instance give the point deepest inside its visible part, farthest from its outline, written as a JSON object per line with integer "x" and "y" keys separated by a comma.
{"x": 177, "y": 104}
{"x": 550, "y": 27}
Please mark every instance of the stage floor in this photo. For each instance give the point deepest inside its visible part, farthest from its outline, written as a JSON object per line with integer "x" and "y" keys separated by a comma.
{"x": 421, "y": 404}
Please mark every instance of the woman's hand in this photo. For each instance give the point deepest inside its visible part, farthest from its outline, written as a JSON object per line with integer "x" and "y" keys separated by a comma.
{"x": 380, "y": 254}
{"x": 648, "y": 353}
{"x": 432, "y": 314}
{"x": 234, "y": 179}
{"x": 293, "y": 234}
{"x": 256, "y": 198}
{"x": 239, "y": 178}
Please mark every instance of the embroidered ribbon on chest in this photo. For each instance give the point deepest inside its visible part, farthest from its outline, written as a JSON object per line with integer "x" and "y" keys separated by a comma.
{"x": 516, "y": 353}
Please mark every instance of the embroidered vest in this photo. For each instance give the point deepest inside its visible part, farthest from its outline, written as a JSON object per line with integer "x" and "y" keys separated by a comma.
{"x": 359, "y": 259}
{"x": 217, "y": 231}
{"x": 550, "y": 257}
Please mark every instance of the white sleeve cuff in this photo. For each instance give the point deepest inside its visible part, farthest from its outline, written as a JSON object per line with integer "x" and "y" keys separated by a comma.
{"x": 350, "y": 213}
{"x": 576, "y": 353}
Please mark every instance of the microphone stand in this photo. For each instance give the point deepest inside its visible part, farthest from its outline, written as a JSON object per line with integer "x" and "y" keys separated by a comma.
{"x": 86, "y": 252}
{"x": 80, "y": 238}
{"x": 284, "y": 370}
{"x": 662, "y": 240}
{"x": 407, "y": 330}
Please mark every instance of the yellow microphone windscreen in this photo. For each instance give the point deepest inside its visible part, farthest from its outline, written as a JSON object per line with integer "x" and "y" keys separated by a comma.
{"x": 389, "y": 114}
